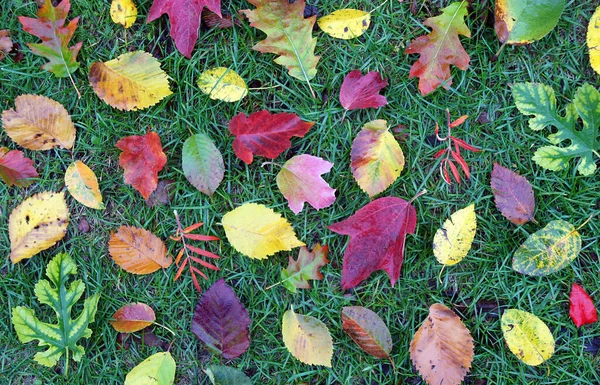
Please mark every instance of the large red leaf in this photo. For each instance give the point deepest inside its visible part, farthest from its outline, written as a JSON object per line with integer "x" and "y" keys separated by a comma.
{"x": 377, "y": 234}
{"x": 368, "y": 330}
{"x": 265, "y": 134}
{"x": 185, "y": 19}
{"x": 362, "y": 91}
{"x": 221, "y": 321}
{"x": 142, "y": 158}
{"x": 15, "y": 169}
{"x": 133, "y": 317}
{"x": 513, "y": 195}
{"x": 582, "y": 310}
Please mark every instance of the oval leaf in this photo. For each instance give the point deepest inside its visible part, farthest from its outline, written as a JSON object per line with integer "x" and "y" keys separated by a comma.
{"x": 83, "y": 185}
{"x": 123, "y": 12}
{"x": 138, "y": 251}
{"x": 202, "y": 163}
{"x": 158, "y": 369}
{"x": 221, "y": 83}
{"x": 345, "y": 23}
{"x": 133, "y": 317}
{"x": 367, "y": 330}
{"x": 581, "y": 310}
{"x": 524, "y": 21}
{"x": 224, "y": 375}
{"x": 593, "y": 40}
{"x": 453, "y": 240}
{"x": 15, "y": 168}
{"x": 527, "y": 336}
{"x": 307, "y": 338}
{"x": 513, "y": 195}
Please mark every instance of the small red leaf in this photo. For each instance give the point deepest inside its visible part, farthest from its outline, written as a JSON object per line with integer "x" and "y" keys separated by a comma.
{"x": 458, "y": 121}
{"x": 367, "y": 330}
{"x": 454, "y": 170}
{"x": 133, "y": 317}
{"x": 15, "y": 168}
{"x": 582, "y": 310}
{"x": 362, "y": 91}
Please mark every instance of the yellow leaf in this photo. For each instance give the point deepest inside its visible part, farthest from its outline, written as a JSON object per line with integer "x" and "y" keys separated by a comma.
{"x": 345, "y": 23}
{"x": 37, "y": 224}
{"x": 132, "y": 81}
{"x": 123, "y": 12}
{"x": 453, "y": 241}
{"x": 593, "y": 40}
{"x": 307, "y": 338}
{"x": 158, "y": 369}
{"x": 257, "y": 231}
{"x": 527, "y": 336}
{"x": 221, "y": 83}
{"x": 83, "y": 185}
{"x": 39, "y": 123}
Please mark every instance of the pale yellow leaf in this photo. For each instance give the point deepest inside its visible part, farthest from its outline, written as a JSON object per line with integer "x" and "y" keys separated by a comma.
{"x": 307, "y": 338}
{"x": 83, "y": 185}
{"x": 123, "y": 12}
{"x": 453, "y": 241}
{"x": 345, "y": 23}
{"x": 221, "y": 83}
{"x": 158, "y": 369}
{"x": 593, "y": 40}
{"x": 527, "y": 336}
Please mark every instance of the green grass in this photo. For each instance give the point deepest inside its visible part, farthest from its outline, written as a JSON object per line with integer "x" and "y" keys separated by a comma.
{"x": 477, "y": 289}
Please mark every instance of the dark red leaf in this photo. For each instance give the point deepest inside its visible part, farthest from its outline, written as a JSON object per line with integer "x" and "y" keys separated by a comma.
{"x": 15, "y": 168}
{"x": 513, "y": 195}
{"x": 582, "y": 310}
{"x": 362, "y": 91}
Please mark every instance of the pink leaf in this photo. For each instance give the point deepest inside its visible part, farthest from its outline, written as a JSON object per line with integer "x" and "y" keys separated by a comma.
{"x": 362, "y": 91}
{"x": 582, "y": 310}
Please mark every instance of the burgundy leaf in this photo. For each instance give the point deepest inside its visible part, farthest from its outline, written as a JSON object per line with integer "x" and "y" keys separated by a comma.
{"x": 582, "y": 310}
{"x": 513, "y": 195}
{"x": 362, "y": 91}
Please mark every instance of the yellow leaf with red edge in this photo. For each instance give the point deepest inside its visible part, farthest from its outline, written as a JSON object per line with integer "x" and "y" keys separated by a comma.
{"x": 307, "y": 338}
{"x": 83, "y": 185}
{"x": 138, "y": 251}
{"x": 123, "y": 12}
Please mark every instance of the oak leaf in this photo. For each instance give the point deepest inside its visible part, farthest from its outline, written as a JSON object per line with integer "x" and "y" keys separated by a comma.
{"x": 527, "y": 336}
{"x": 138, "y": 251}
{"x": 581, "y": 307}
{"x": 360, "y": 91}
{"x": 454, "y": 239}
{"x": 513, "y": 195}
{"x": 15, "y": 168}
{"x": 132, "y": 318}
{"x": 307, "y": 338}
{"x": 83, "y": 185}
{"x": 368, "y": 330}
{"x": 306, "y": 267}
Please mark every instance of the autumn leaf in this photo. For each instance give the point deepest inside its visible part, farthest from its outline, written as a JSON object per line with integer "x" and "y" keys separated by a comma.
{"x": 440, "y": 48}
{"x": 222, "y": 83}
{"x": 132, "y": 318}
{"x": 15, "y": 168}
{"x": 138, "y": 251}
{"x": 224, "y": 375}
{"x": 37, "y": 224}
{"x": 345, "y": 23}
{"x": 513, "y": 195}
{"x": 123, "y": 12}
{"x": 306, "y": 267}
{"x": 221, "y": 322}
{"x": 307, "y": 338}
{"x": 133, "y": 81}
{"x": 202, "y": 163}
{"x": 158, "y": 369}
{"x": 442, "y": 348}
{"x": 39, "y": 123}
{"x": 593, "y": 40}
{"x": 360, "y": 91}
{"x": 265, "y": 134}
{"x": 453, "y": 240}
{"x": 6, "y": 43}
{"x": 257, "y": 231}
{"x": 581, "y": 307}
{"x": 83, "y": 185}
{"x": 184, "y": 17}
{"x": 527, "y": 336}
{"x": 377, "y": 235}
{"x": 300, "y": 181}
{"x": 49, "y": 26}
{"x": 142, "y": 159}
{"x": 368, "y": 330}
{"x": 523, "y": 22}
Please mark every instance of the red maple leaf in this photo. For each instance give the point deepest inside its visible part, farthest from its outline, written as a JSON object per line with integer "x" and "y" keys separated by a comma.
{"x": 582, "y": 310}
{"x": 142, "y": 158}
{"x": 362, "y": 91}
{"x": 265, "y": 134}
{"x": 185, "y": 19}
{"x": 15, "y": 168}
{"x": 377, "y": 234}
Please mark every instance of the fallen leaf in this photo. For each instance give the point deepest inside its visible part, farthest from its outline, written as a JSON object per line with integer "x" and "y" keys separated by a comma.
{"x": 49, "y": 26}
{"x": 581, "y": 309}
{"x": 523, "y": 22}
{"x": 527, "y": 336}
{"x": 15, "y": 168}
{"x": 133, "y": 81}
{"x": 202, "y": 163}
{"x": 37, "y": 224}
{"x": 142, "y": 159}
{"x": 221, "y": 322}
{"x": 83, "y": 185}
{"x": 307, "y": 339}
{"x": 442, "y": 348}
{"x": 132, "y": 318}
{"x": 513, "y": 195}
{"x": 84, "y": 226}
{"x": 592, "y": 38}
{"x": 158, "y": 369}
{"x": 453, "y": 240}
{"x": 299, "y": 180}
{"x": 123, "y": 12}
{"x": 345, "y": 23}
{"x": 265, "y": 134}
{"x": 6, "y": 43}
{"x": 360, "y": 91}
{"x": 306, "y": 267}
{"x": 138, "y": 251}
{"x": 162, "y": 194}
{"x": 222, "y": 83}
{"x": 440, "y": 48}
{"x": 376, "y": 158}
{"x": 368, "y": 330}
{"x": 224, "y": 375}
{"x": 39, "y": 123}
{"x": 257, "y": 231}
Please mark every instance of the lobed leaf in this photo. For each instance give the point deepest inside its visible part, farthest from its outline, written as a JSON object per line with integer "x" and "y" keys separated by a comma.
{"x": 306, "y": 267}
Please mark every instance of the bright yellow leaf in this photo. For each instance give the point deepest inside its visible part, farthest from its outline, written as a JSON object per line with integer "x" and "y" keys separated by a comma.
{"x": 83, "y": 185}
{"x": 132, "y": 81}
{"x": 221, "y": 83}
{"x": 307, "y": 338}
{"x": 345, "y": 23}
{"x": 257, "y": 231}
{"x": 453, "y": 241}
{"x": 593, "y": 40}
{"x": 527, "y": 336}
{"x": 123, "y": 12}
{"x": 37, "y": 224}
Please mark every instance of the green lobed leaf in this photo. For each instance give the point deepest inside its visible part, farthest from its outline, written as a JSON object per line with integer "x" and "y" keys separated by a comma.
{"x": 224, "y": 375}
{"x": 202, "y": 163}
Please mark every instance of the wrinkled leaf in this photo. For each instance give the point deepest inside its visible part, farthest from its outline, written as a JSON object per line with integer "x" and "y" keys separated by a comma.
{"x": 453, "y": 240}
{"x": 123, "y": 12}
{"x": 527, "y": 336}
{"x": 222, "y": 83}
{"x": 83, "y": 185}
{"x": 307, "y": 339}
{"x": 158, "y": 369}
{"x": 368, "y": 330}
{"x": 306, "y": 267}
{"x": 133, "y": 317}
{"x": 15, "y": 168}
{"x": 224, "y": 375}
{"x": 345, "y": 23}
{"x": 202, "y": 163}
{"x": 360, "y": 91}
{"x": 581, "y": 307}
{"x": 513, "y": 195}
{"x": 138, "y": 251}
{"x": 524, "y": 21}
{"x": 593, "y": 40}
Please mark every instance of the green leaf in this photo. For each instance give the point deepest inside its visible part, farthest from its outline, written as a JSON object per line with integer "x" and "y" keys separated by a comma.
{"x": 539, "y": 100}
{"x": 524, "y": 21}
{"x": 548, "y": 250}
{"x": 224, "y": 375}
{"x": 61, "y": 338}
{"x": 158, "y": 369}
{"x": 202, "y": 163}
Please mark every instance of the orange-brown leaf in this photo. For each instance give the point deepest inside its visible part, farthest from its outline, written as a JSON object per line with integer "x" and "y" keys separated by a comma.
{"x": 133, "y": 317}
{"x": 138, "y": 251}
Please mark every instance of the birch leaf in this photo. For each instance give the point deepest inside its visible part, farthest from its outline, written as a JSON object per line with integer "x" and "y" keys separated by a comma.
{"x": 527, "y": 336}
{"x": 222, "y": 83}
{"x": 345, "y": 23}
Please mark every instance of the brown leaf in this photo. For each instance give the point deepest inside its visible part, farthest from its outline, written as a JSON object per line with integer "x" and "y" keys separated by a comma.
{"x": 138, "y": 251}
{"x": 513, "y": 195}
{"x": 162, "y": 194}
{"x": 84, "y": 226}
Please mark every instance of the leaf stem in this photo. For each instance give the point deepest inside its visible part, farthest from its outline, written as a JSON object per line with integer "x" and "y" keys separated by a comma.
{"x": 422, "y": 192}
{"x": 164, "y": 327}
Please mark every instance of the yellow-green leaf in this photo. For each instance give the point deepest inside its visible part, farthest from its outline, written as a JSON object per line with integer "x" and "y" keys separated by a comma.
{"x": 527, "y": 336}
{"x": 345, "y": 23}
{"x": 453, "y": 240}
{"x": 548, "y": 250}
{"x": 123, "y": 12}
{"x": 83, "y": 185}
{"x": 132, "y": 81}
{"x": 307, "y": 338}
{"x": 257, "y": 231}
{"x": 593, "y": 40}
{"x": 158, "y": 369}
{"x": 221, "y": 83}
{"x": 37, "y": 224}
{"x": 525, "y": 21}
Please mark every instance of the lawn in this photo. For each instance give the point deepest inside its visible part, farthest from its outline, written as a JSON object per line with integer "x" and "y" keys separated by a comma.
{"x": 478, "y": 289}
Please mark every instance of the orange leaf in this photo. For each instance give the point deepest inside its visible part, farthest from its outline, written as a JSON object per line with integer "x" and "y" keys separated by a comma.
{"x": 138, "y": 251}
{"x": 133, "y": 317}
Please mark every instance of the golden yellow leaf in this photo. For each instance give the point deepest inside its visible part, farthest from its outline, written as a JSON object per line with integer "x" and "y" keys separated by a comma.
{"x": 132, "y": 81}
{"x": 123, "y": 12}
{"x": 307, "y": 338}
{"x": 138, "y": 251}
{"x": 453, "y": 241}
{"x": 37, "y": 224}
{"x": 345, "y": 23}
{"x": 527, "y": 336}
{"x": 221, "y": 83}
{"x": 257, "y": 231}
{"x": 83, "y": 185}
{"x": 39, "y": 123}
{"x": 593, "y": 40}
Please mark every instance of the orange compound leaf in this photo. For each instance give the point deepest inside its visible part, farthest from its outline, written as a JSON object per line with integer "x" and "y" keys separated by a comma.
{"x": 132, "y": 318}
{"x": 138, "y": 251}
{"x": 193, "y": 227}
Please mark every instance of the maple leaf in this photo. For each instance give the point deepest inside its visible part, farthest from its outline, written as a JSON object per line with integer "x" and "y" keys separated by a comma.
{"x": 184, "y": 16}
{"x": 142, "y": 158}
{"x": 440, "y": 48}
{"x": 359, "y": 91}
{"x": 55, "y": 37}
{"x": 15, "y": 168}
{"x": 581, "y": 309}
{"x": 377, "y": 235}
{"x": 265, "y": 134}
{"x": 306, "y": 267}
